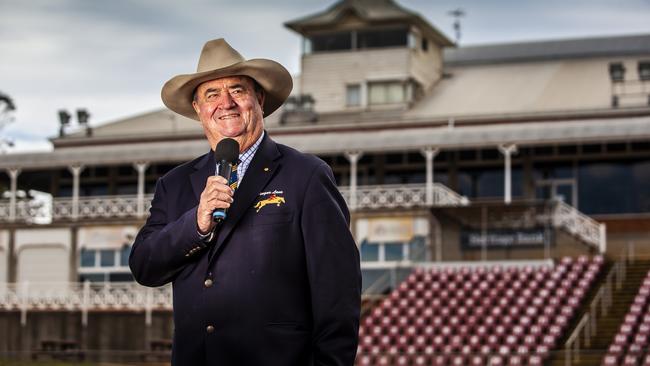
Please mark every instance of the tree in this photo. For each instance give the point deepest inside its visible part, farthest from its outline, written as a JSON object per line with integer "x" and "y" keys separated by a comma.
{"x": 7, "y": 108}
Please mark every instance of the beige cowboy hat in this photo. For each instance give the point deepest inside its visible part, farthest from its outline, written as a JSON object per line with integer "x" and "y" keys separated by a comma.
{"x": 219, "y": 60}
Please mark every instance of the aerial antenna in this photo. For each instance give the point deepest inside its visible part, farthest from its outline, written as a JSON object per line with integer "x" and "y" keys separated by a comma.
{"x": 457, "y": 14}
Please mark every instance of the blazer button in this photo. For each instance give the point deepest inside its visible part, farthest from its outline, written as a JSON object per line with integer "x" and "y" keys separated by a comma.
{"x": 209, "y": 329}
{"x": 208, "y": 282}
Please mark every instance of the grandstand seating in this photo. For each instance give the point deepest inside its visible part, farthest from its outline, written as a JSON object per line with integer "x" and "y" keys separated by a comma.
{"x": 631, "y": 343}
{"x": 476, "y": 316}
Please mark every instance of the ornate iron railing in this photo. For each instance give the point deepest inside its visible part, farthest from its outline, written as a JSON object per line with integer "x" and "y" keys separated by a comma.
{"x": 92, "y": 207}
{"x": 401, "y": 196}
{"x": 126, "y": 206}
{"x": 575, "y": 222}
{"x": 83, "y": 296}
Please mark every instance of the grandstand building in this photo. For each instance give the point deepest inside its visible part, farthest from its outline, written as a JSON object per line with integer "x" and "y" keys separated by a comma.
{"x": 449, "y": 156}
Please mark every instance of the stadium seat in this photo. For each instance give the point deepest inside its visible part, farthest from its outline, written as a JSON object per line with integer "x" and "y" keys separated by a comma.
{"x": 485, "y": 315}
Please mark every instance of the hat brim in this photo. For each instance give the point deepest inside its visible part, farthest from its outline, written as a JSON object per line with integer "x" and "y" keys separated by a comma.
{"x": 178, "y": 92}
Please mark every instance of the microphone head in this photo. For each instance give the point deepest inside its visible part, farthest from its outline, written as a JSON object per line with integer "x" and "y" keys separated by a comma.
{"x": 227, "y": 149}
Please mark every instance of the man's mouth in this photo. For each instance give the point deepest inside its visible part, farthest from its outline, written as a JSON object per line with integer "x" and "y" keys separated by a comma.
{"x": 229, "y": 116}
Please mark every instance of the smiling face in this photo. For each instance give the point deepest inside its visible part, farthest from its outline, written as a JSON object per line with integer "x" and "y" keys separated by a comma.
{"x": 230, "y": 107}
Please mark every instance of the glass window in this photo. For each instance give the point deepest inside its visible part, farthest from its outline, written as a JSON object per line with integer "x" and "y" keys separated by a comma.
{"x": 120, "y": 277}
{"x": 369, "y": 251}
{"x": 382, "y": 38}
{"x": 124, "y": 255}
{"x": 386, "y": 92}
{"x": 332, "y": 42}
{"x": 92, "y": 277}
{"x": 614, "y": 187}
{"x": 87, "y": 258}
{"x": 353, "y": 95}
{"x": 393, "y": 251}
{"x": 644, "y": 70}
{"x": 107, "y": 258}
{"x": 417, "y": 249}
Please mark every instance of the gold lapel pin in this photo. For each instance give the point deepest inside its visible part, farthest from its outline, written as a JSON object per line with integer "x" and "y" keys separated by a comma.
{"x": 266, "y": 169}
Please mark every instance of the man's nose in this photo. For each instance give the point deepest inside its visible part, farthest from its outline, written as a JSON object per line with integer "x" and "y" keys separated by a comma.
{"x": 226, "y": 101}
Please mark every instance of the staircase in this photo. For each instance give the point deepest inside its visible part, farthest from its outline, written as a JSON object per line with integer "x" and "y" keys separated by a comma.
{"x": 607, "y": 326}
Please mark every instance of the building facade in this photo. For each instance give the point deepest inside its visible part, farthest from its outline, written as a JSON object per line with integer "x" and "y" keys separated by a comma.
{"x": 444, "y": 153}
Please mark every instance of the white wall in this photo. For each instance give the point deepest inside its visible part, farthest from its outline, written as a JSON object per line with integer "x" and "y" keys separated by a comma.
{"x": 43, "y": 255}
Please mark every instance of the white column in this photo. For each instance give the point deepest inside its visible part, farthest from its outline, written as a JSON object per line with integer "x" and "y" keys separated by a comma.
{"x": 353, "y": 157}
{"x": 141, "y": 167}
{"x": 507, "y": 151}
{"x": 13, "y": 175}
{"x": 429, "y": 154}
{"x": 76, "y": 172}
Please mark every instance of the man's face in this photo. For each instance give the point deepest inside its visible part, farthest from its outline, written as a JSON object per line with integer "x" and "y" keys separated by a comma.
{"x": 230, "y": 107}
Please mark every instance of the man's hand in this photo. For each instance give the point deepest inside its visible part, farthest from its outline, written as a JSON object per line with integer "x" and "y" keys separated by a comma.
{"x": 216, "y": 194}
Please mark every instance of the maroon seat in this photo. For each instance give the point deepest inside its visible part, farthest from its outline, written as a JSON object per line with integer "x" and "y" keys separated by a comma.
{"x": 611, "y": 360}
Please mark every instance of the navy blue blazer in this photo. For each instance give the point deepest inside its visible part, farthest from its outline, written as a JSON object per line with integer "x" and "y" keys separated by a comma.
{"x": 279, "y": 284}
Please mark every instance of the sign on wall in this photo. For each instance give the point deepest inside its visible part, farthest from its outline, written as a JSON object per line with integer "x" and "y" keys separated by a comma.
{"x": 505, "y": 238}
{"x": 385, "y": 229}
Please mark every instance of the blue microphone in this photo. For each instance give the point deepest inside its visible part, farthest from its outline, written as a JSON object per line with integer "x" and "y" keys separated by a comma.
{"x": 226, "y": 154}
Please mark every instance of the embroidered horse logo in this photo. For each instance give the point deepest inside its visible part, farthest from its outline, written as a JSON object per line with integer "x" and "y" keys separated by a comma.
{"x": 273, "y": 199}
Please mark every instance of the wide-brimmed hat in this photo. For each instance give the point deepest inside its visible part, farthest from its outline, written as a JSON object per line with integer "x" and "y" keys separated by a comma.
{"x": 219, "y": 60}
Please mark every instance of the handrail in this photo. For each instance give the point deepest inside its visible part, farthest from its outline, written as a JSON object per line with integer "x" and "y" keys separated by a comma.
{"x": 380, "y": 282}
{"x": 573, "y": 343}
{"x": 598, "y": 308}
{"x": 581, "y": 225}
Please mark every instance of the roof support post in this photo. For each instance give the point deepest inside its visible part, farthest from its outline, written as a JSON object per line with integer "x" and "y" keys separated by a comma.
{"x": 353, "y": 157}
{"x": 507, "y": 151}
{"x": 429, "y": 154}
{"x": 13, "y": 175}
{"x": 76, "y": 170}
{"x": 141, "y": 167}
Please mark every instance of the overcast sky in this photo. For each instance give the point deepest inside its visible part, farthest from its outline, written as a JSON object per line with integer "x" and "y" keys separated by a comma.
{"x": 112, "y": 57}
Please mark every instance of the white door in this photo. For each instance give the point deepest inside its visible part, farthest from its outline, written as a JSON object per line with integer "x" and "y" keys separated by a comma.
{"x": 43, "y": 263}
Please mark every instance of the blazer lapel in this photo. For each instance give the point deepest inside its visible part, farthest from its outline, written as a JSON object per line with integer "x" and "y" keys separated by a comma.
{"x": 264, "y": 165}
{"x": 205, "y": 167}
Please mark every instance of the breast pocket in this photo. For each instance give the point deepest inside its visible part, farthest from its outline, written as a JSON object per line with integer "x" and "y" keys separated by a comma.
{"x": 271, "y": 218}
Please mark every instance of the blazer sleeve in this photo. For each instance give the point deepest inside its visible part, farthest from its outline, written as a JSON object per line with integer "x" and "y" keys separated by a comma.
{"x": 334, "y": 270}
{"x": 162, "y": 248}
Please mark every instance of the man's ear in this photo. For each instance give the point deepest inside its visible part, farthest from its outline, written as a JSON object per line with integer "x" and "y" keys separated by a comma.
{"x": 195, "y": 105}
{"x": 261, "y": 96}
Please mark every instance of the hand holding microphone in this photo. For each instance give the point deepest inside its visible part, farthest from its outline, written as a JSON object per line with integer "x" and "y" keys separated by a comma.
{"x": 217, "y": 194}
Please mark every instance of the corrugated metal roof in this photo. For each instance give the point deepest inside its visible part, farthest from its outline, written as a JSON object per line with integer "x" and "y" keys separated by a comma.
{"x": 412, "y": 139}
{"x": 549, "y": 50}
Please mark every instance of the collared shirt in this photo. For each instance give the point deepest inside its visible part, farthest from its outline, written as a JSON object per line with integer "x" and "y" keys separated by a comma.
{"x": 245, "y": 159}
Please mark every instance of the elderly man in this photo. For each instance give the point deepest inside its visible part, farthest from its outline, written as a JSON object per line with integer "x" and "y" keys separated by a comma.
{"x": 273, "y": 284}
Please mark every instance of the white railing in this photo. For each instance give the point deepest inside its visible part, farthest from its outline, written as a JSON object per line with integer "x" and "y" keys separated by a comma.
{"x": 99, "y": 207}
{"x": 126, "y": 206}
{"x": 79, "y": 296}
{"x": 92, "y": 207}
{"x": 579, "y": 224}
{"x": 600, "y": 305}
{"x": 83, "y": 297}
{"x": 402, "y": 196}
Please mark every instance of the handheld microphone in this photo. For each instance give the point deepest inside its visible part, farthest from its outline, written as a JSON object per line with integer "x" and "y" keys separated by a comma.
{"x": 226, "y": 154}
